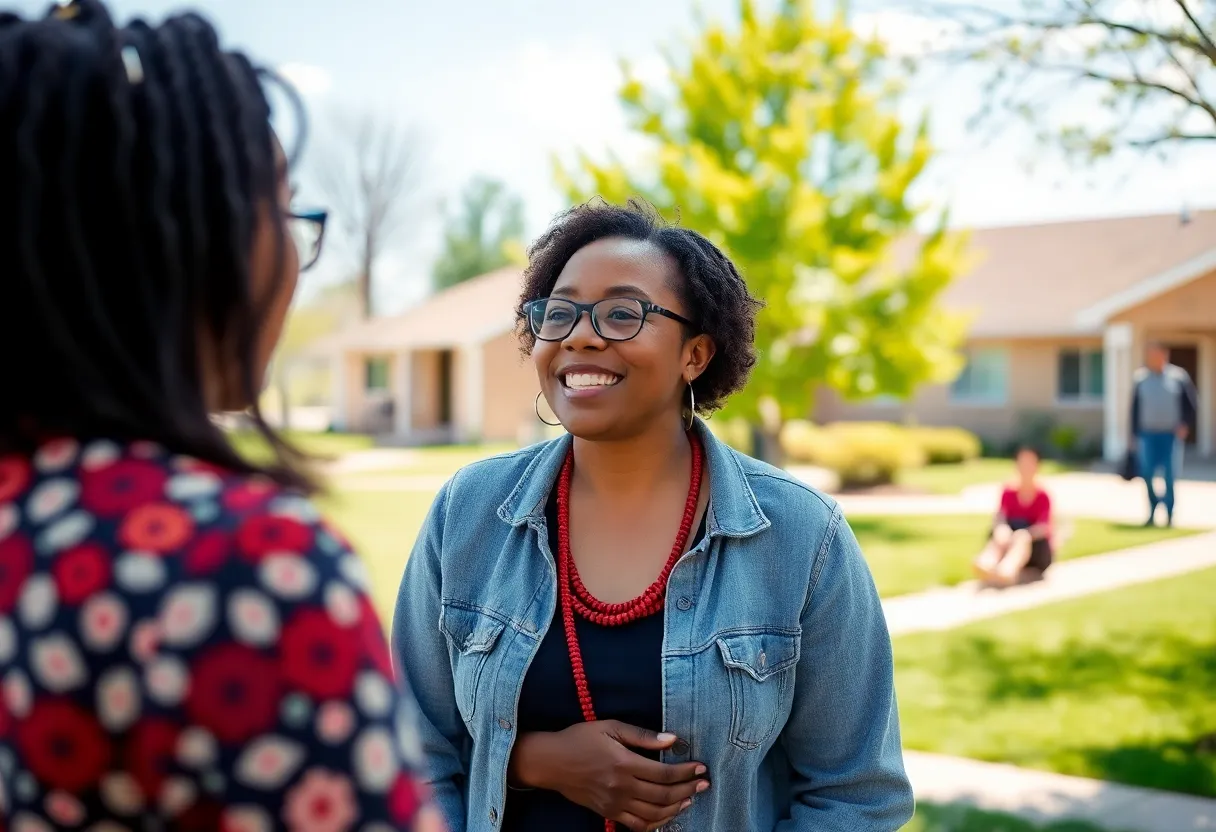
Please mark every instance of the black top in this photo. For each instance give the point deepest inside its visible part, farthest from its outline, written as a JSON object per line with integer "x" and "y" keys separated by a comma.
{"x": 624, "y": 675}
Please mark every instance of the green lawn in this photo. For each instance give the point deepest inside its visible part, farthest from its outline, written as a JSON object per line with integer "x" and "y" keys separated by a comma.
{"x": 320, "y": 444}
{"x": 917, "y": 552}
{"x": 965, "y": 819}
{"x": 951, "y": 479}
{"x": 1117, "y": 686}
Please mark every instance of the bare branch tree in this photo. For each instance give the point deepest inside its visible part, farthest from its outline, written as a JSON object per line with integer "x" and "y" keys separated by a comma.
{"x": 1149, "y": 64}
{"x": 368, "y": 173}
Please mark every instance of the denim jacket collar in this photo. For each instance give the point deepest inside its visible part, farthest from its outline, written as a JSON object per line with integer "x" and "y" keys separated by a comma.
{"x": 733, "y": 507}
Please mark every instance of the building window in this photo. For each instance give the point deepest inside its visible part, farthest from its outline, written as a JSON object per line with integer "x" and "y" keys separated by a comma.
{"x": 376, "y": 374}
{"x": 985, "y": 378}
{"x": 1081, "y": 375}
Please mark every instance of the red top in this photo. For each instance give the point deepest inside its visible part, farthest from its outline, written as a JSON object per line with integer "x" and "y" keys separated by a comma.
{"x": 1017, "y": 513}
{"x": 185, "y": 646}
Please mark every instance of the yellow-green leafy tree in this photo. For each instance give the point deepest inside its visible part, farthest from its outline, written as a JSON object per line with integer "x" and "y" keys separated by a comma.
{"x": 778, "y": 137}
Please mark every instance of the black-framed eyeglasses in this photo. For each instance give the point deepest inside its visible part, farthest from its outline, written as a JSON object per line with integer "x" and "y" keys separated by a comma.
{"x": 614, "y": 319}
{"x": 308, "y": 231}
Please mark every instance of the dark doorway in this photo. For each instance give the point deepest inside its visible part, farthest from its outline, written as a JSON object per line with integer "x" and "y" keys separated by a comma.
{"x": 1187, "y": 357}
{"x": 445, "y": 388}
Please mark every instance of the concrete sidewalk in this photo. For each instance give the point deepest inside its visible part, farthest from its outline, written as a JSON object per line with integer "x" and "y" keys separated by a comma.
{"x": 943, "y": 609}
{"x": 1044, "y": 797}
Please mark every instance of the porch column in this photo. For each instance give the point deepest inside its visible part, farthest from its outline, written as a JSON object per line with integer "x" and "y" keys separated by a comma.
{"x": 1117, "y": 342}
{"x": 1207, "y": 397}
{"x": 472, "y": 378}
{"x": 403, "y": 390}
{"x": 338, "y": 410}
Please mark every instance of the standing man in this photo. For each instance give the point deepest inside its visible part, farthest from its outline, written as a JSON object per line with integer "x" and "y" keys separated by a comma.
{"x": 1163, "y": 405}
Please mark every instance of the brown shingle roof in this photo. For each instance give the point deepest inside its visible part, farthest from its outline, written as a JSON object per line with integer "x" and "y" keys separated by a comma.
{"x": 1037, "y": 279}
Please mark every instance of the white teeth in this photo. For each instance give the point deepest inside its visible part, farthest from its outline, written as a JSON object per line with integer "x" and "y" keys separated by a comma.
{"x": 579, "y": 381}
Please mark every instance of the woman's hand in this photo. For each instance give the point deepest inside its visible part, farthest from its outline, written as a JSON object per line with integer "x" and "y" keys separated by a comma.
{"x": 592, "y": 764}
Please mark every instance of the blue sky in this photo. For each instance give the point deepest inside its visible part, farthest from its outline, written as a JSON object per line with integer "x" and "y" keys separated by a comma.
{"x": 495, "y": 87}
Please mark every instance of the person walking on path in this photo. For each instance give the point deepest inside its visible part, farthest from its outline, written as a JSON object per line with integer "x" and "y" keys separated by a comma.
{"x": 1163, "y": 405}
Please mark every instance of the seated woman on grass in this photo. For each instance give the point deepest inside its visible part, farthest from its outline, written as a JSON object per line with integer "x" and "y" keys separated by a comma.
{"x": 1019, "y": 548}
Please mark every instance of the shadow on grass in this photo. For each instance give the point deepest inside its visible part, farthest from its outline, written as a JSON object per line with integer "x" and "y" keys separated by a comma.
{"x": 931, "y": 818}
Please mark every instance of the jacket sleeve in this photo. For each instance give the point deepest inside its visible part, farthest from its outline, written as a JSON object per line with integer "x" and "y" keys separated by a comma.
{"x": 842, "y": 736}
{"x": 1190, "y": 399}
{"x": 420, "y": 656}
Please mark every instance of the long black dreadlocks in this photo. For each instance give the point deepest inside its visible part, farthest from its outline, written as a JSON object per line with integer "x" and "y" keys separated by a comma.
{"x": 134, "y": 164}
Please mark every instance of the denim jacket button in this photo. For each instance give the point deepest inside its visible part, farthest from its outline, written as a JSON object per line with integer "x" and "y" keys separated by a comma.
{"x": 684, "y": 604}
{"x": 679, "y": 748}
{"x": 494, "y": 816}
{"x": 504, "y": 724}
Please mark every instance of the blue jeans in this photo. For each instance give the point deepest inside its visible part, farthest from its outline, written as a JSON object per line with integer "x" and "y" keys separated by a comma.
{"x": 1158, "y": 451}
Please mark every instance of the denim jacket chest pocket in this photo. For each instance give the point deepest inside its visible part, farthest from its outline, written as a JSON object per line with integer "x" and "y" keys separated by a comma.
{"x": 760, "y": 668}
{"x": 472, "y": 635}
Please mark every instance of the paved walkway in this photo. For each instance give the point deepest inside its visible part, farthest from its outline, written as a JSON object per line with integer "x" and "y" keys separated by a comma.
{"x": 942, "y": 609}
{"x": 1043, "y": 797}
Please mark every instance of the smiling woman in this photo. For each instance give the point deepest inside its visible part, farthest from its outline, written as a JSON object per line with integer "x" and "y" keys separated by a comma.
{"x": 629, "y": 614}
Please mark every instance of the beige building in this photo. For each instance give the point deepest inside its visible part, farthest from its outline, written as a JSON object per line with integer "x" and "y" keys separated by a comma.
{"x": 447, "y": 370}
{"x": 1061, "y": 314}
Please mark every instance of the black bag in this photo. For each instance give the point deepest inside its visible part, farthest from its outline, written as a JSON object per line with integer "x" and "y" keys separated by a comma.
{"x": 1131, "y": 466}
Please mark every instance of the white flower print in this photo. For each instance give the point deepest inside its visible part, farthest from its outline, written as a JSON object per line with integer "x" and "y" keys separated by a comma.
{"x": 269, "y": 762}
{"x": 375, "y": 763}
{"x": 335, "y": 722}
{"x": 354, "y": 571}
{"x": 322, "y": 802}
{"x": 296, "y": 710}
{"x": 57, "y": 664}
{"x": 103, "y": 622}
{"x": 56, "y": 455}
{"x": 246, "y": 819}
{"x": 118, "y": 699}
{"x": 195, "y": 485}
{"x": 25, "y": 788}
{"x": 373, "y": 695}
{"x": 342, "y": 604}
{"x": 288, "y": 576}
{"x": 139, "y": 573}
{"x": 297, "y": 508}
{"x": 8, "y": 640}
{"x": 176, "y": 796}
{"x": 38, "y": 602}
{"x": 121, "y": 794}
{"x": 8, "y": 519}
{"x": 17, "y": 693}
{"x": 25, "y": 822}
{"x": 145, "y": 640}
{"x": 50, "y": 498}
{"x": 204, "y": 511}
{"x": 197, "y": 748}
{"x": 98, "y": 455}
{"x": 167, "y": 679}
{"x": 252, "y": 617}
{"x": 146, "y": 449}
{"x": 65, "y": 532}
{"x": 64, "y": 809}
{"x": 188, "y": 615}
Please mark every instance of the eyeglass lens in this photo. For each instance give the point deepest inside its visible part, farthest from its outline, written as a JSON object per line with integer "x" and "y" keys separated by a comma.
{"x": 615, "y": 319}
{"x": 307, "y": 236}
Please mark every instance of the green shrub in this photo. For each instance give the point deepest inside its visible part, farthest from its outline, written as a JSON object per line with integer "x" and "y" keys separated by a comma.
{"x": 1066, "y": 440}
{"x": 861, "y": 454}
{"x": 946, "y": 446}
{"x": 737, "y": 433}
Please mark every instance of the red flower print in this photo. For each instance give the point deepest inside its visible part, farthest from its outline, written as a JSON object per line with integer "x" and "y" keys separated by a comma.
{"x": 247, "y": 495}
{"x": 121, "y": 486}
{"x": 371, "y": 633}
{"x": 81, "y": 572}
{"x": 234, "y": 692}
{"x": 150, "y": 750}
{"x": 267, "y": 534}
{"x": 157, "y": 527}
{"x": 322, "y": 802}
{"x": 15, "y": 475}
{"x": 319, "y": 657}
{"x": 64, "y": 745}
{"x": 404, "y": 799}
{"x": 16, "y": 563}
{"x": 208, "y": 553}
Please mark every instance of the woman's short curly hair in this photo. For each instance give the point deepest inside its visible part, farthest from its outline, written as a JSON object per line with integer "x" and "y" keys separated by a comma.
{"x": 713, "y": 291}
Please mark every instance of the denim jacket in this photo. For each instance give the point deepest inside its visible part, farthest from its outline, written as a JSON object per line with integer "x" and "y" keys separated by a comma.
{"x": 776, "y": 660}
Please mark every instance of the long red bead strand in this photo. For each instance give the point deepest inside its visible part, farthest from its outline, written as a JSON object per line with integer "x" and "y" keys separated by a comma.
{"x": 575, "y": 597}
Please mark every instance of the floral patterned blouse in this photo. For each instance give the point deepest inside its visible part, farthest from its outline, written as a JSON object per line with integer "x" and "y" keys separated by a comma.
{"x": 183, "y": 647}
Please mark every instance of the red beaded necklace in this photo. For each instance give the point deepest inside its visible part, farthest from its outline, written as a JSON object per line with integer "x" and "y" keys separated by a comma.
{"x": 575, "y": 598}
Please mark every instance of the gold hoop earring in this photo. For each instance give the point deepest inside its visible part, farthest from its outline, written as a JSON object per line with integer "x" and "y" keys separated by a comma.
{"x": 692, "y": 408}
{"x": 536, "y": 407}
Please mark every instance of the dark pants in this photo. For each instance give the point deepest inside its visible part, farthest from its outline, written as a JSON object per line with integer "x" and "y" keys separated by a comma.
{"x": 1158, "y": 451}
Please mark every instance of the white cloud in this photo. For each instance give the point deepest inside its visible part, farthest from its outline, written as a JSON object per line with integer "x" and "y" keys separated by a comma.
{"x": 311, "y": 81}
{"x": 906, "y": 35}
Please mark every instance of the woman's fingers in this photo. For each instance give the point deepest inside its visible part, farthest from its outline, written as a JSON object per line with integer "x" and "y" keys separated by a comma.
{"x": 659, "y": 795}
